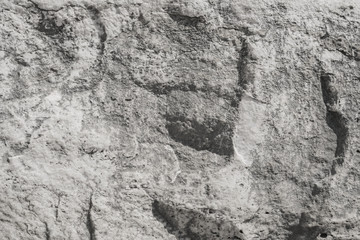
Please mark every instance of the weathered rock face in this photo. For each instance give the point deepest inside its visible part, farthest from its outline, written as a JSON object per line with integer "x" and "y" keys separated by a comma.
{"x": 183, "y": 119}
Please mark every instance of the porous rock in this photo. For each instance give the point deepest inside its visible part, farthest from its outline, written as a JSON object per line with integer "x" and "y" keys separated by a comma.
{"x": 179, "y": 119}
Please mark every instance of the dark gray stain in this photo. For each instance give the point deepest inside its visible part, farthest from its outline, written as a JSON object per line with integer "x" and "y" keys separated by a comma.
{"x": 213, "y": 135}
{"x": 303, "y": 230}
{"x": 335, "y": 119}
{"x": 195, "y": 225}
{"x": 186, "y": 20}
{"x": 48, "y": 25}
{"x": 96, "y": 17}
{"x": 89, "y": 221}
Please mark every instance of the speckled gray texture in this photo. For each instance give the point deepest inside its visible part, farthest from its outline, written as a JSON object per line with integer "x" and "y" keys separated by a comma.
{"x": 183, "y": 119}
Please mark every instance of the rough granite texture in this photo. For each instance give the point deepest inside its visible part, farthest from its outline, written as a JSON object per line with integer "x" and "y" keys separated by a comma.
{"x": 182, "y": 119}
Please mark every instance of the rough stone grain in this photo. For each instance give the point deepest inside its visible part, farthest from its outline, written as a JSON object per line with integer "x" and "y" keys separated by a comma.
{"x": 180, "y": 119}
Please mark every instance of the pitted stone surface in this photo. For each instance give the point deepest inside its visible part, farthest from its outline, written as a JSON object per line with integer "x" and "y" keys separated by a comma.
{"x": 179, "y": 119}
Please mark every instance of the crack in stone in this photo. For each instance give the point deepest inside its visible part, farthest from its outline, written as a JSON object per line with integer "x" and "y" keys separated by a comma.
{"x": 95, "y": 16}
{"x": 245, "y": 76}
{"x": 335, "y": 119}
{"x": 89, "y": 221}
{"x": 57, "y": 208}
{"x": 47, "y": 232}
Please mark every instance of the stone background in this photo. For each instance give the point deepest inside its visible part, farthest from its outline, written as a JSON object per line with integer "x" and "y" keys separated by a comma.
{"x": 179, "y": 119}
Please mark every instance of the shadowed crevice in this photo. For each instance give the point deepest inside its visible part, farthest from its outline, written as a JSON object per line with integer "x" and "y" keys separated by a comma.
{"x": 195, "y": 225}
{"x": 212, "y": 135}
{"x": 245, "y": 76}
{"x": 49, "y": 26}
{"x": 47, "y": 232}
{"x": 304, "y": 230}
{"x": 335, "y": 119}
{"x": 89, "y": 221}
{"x": 186, "y": 20}
{"x": 95, "y": 16}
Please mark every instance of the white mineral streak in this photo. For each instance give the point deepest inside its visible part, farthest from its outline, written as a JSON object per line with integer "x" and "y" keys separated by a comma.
{"x": 249, "y": 131}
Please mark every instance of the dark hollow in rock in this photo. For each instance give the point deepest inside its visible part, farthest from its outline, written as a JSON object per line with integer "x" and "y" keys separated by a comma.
{"x": 338, "y": 123}
{"x": 48, "y": 26}
{"x": 186, "y": 20}
{"x": 212, "y": 135}
{"x": 303, "y": 231}
{"x": 329, "y": 92}
{"x": 335, "y": 119}
{"x": 195, "y": 225}
{"x": 96, "y": 17}
{"x": 89, "y": 221}
{"x": 245, "y": 75}
{"x": 316, "y": 190}
{"x": 323, "y": 235}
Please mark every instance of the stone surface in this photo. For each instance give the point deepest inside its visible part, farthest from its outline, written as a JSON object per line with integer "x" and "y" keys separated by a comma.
{"x": 182, "y": 119}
